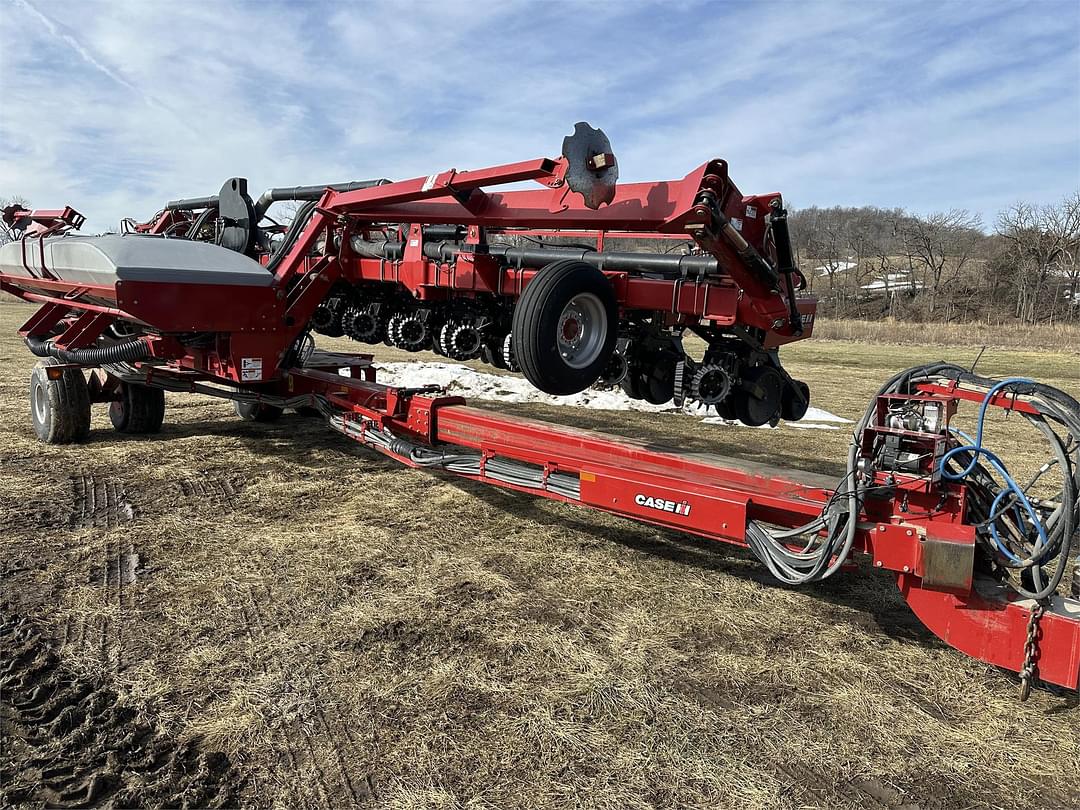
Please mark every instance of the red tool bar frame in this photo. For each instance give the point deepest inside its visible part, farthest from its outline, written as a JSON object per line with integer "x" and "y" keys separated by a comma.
{"x": 714, "y": 497}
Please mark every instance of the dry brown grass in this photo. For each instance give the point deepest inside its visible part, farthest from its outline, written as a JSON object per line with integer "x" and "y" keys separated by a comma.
{"x": 1063, "y": 338}
{"x": 351, "y": 631}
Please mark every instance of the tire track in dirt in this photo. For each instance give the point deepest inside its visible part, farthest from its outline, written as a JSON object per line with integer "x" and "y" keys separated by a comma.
{"x": 256, "y": 631}
{"x": 217, "y": 488}
{"x": 69, "y": 742}
{"x": 99, "y": 502}
{"x": 118, "y": 572}
{"x": 863, "y": 793}
{"x": 333, "y": 744}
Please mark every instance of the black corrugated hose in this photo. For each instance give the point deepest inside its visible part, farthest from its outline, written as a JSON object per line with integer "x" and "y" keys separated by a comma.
{"x": 127, "y": 351}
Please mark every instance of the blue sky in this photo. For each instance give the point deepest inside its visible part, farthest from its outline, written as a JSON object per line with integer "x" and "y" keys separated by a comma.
{"x": 114, "y": 107}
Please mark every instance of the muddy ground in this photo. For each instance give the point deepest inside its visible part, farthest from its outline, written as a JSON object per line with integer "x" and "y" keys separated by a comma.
{"x": 270, "y": 616}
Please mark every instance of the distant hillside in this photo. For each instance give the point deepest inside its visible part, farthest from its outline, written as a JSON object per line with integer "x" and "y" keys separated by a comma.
{"x": 872, "y": 263}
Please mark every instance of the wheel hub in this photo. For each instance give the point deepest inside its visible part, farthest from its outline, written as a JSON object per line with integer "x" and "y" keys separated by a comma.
{"x": 40, "y": 402}
{"x": 582, "y": 330}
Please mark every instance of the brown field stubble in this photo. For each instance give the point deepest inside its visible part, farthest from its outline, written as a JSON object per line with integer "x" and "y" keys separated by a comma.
{"x": 347, "y": 631}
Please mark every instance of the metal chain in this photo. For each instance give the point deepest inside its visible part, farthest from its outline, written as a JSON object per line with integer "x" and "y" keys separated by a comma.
{"x": 1031, "y": 650}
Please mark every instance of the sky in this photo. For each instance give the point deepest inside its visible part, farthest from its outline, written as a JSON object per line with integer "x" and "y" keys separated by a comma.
{"x": 115, "y": 107}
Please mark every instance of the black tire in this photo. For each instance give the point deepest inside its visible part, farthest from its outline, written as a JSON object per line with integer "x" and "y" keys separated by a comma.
{"x": 658, "y": 384}
{"x": 140, "y": 409}
{"x": 761, "y": 393}
{"x": 631, "y": 385}
{"x": 492, "y": 356}
{"x": 655, "y": 385}
{"x": 537, "y": 320}
{"x": 257, "y": 411}
{"x": 796, "y": 401}
{"x": 726, "y": 408}
{"x": 60, "y": 408}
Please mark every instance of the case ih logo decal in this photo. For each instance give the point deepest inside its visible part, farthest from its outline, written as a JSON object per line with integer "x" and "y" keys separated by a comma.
{"x": 675, "y": 507}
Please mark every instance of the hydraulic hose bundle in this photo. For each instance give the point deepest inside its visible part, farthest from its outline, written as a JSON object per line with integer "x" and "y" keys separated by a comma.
{"x": 1019, "y": 533}
{"x": 461, "y": 462}
{"x": 1024, "y": 535}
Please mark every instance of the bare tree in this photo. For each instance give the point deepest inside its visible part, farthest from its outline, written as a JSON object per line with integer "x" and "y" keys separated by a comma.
{"x": 1043, "y": 243}
{"x": 938, "y": 247}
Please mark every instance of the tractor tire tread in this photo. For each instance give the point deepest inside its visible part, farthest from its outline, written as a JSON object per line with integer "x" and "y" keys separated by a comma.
{"x": 68, "y": 411}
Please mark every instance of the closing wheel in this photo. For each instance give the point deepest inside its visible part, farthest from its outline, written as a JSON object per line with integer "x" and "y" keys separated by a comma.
{"x": 796, "y": 401}
{"x": 565, "y": 326}
{"x": 760, "y": 394}
{"x": 139, "y": 409}
{"x": 726, "y": 409}
{"x": 59, "y": 408}
{"x": 257, "y": 411}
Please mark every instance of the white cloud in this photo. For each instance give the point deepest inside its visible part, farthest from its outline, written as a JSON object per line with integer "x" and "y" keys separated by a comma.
{"x": 117, "y": 107}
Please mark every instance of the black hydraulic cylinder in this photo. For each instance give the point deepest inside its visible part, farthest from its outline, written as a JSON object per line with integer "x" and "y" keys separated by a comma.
{"x": 785, "y": 264}
{"x": 785, "y": 260}
{"x": 272, "y": 195}
{"x": 662, "y": 263}
{"x": 392, "y": 251}
{"x": 192, "y": 203}
{"x": 673, "y": 266}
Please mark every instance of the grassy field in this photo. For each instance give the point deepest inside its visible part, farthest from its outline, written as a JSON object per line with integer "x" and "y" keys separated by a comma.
{"x": 1064, "y": 338}
{"x": 349, "y": 632}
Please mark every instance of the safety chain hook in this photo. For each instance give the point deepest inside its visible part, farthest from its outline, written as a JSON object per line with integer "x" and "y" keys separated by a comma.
{"x": 1031, "y": 652}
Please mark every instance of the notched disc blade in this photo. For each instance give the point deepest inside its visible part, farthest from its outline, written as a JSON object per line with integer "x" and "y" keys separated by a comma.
{"x": 597, "y": 186}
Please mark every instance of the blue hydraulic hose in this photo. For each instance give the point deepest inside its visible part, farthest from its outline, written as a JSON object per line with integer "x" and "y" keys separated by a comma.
{"x": 976, "y": 449}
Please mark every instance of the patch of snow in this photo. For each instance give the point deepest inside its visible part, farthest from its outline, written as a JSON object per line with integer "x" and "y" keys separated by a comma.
{"x": 468, "y": 382}
{"x": 839, "y": 267}
{"x": 818, "y": 415}
{"x": 898, "y": 285}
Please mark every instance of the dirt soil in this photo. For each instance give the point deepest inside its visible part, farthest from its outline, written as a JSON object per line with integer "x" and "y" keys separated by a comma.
{"x": 268, "y": 615}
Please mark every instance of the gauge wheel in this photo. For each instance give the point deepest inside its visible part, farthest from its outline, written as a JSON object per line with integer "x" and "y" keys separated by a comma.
{"x": 796, "y": 401}
{"x": 761, "y": 393}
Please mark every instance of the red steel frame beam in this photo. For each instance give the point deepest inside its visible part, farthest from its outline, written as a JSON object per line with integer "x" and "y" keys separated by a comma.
{"x": 714, "y": 497}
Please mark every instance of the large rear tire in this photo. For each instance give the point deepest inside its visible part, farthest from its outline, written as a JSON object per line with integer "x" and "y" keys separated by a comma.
{"x": 59, "y": 408}
{"x": 565, "y": 327}
{"x": 140, "y": 409}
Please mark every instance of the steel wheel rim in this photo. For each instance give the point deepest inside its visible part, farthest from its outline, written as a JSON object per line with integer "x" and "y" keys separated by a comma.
{"x": 40, "y": 402}
{"x": 582, "y": 330}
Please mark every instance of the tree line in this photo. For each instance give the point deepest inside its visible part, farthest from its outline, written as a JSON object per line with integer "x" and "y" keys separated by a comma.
{"x": 872, "y": 262}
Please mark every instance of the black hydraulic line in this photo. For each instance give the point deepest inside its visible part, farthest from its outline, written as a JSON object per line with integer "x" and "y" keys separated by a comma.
{"x": 296, "y": 227}
{"x": 117, "y": 353}
{"x": 665, "y": 263}
{"x": 199, "y": 222}
{"x": 272, "y": 195}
